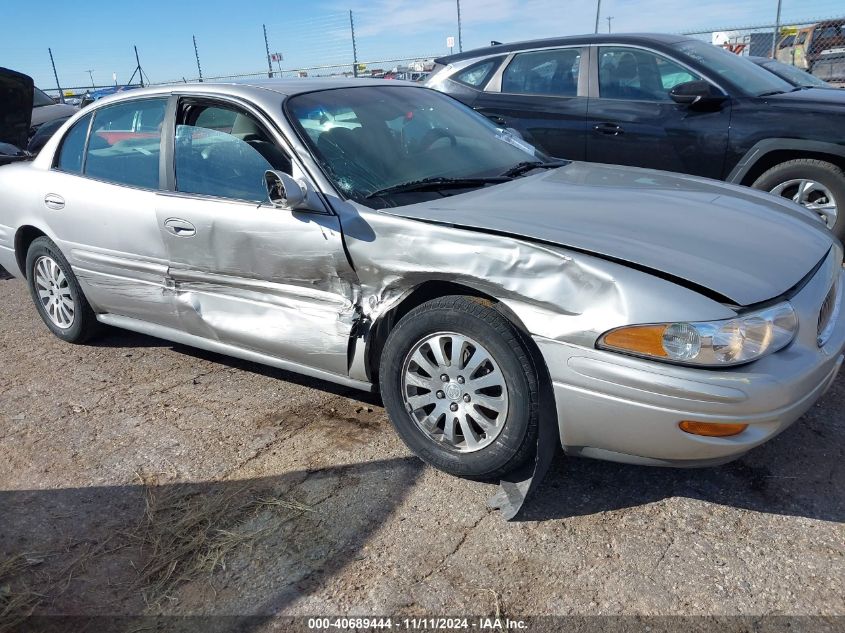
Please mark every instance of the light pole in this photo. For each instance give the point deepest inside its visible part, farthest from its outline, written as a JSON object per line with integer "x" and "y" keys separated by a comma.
{"x": 598, "y": 13}
{"x": 609, "y": 18}
{"x": 91, "y": 75}
{"x": 776, "y": 34}
{"x": 460, "y": 39}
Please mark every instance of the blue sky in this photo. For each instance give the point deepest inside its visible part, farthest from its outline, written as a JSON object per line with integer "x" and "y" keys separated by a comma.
{"x": 99, "y": 34}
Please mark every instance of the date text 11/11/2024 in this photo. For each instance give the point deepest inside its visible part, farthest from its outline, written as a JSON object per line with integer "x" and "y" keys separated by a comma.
{"x": 418, "y": 624}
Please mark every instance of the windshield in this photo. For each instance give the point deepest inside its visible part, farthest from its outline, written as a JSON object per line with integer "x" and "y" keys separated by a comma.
{"x": 40, "y": 98}
{"x": 743, "y": 74}
{"x": 372, "y": 138}
{"x": 794, "y": 75}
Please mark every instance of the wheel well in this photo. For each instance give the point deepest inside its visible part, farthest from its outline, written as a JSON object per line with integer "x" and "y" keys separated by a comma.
{"x": 23, "y": 238}
{"x": 426, "y": 292}
{"x": 776, "y": 157}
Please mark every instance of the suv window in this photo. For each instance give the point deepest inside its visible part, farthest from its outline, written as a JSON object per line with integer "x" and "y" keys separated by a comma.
{"x": 786, "y": 42}
{"x": 73, "y": 146}
{"x": 638, "y": 75}
{"x": 224, "y": 152}
{"x": 552, "y": 72}
{"x": 125, "y": 143}
{"x": 802, "y": 37}
{"x": 478, "y": 74}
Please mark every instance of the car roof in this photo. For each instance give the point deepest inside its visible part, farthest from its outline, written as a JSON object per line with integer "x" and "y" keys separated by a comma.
{"x": 252, "y": 88}
{"x": 611, "y": 38}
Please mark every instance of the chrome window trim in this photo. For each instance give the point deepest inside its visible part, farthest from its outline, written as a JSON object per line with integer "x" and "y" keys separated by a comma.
{"x": 594, "y": 71}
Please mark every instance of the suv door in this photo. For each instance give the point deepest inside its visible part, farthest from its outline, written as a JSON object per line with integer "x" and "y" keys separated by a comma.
{"x": 543, "y": 94}
{"x": 632, "y": 120}
{"x": 102, "y": 196}
{"x": 243, "y": 272}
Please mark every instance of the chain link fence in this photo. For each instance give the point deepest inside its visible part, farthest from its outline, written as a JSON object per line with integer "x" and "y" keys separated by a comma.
{"x": 815, "y": 46}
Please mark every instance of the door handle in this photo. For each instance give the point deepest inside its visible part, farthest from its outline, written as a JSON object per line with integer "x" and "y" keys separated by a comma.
{"x": 610, "y": 129}
{"x": 54, "y": 201}
{"x": 179, "y": 227}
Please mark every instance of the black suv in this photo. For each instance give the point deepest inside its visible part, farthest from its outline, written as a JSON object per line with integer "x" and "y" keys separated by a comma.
{"x": 666, "y": 102}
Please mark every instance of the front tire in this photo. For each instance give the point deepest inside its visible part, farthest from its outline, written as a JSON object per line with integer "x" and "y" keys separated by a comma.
{"x": 816, "y": 185}
{"x": 460, "y": 387}
{"x": 56, "y": 293}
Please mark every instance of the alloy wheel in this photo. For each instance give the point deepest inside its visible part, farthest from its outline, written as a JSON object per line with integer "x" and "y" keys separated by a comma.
{"x": 455, "y": 391}
{"x": 811, "y": 195}
{"x": 54, "y": 292}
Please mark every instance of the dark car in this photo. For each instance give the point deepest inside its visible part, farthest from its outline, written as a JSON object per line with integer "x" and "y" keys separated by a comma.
{"x": 792, "y": 74}
{"x": 16, "y": 94}
{"x": 665, "y": 102}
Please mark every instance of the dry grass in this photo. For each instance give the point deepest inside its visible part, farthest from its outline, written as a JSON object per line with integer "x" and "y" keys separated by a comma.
{"x": 17, "y": 599}
{"x": 186, "y": 535}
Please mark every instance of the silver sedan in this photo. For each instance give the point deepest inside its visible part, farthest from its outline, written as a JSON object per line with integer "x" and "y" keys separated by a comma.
{"x": 384, "y": 236}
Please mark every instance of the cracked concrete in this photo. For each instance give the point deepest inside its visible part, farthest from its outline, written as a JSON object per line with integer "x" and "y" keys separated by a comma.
{"x": 381, "y": 533}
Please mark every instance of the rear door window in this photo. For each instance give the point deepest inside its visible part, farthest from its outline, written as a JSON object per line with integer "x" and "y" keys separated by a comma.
{"x": 125, "y": 143}
{"x": 551, "y": 72}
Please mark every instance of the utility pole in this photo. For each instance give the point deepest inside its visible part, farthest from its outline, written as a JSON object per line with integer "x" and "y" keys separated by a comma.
{"x": 354, "y": 47}
{"x": 267, "y": 47}
{"x": 609, "y": 18}
{"x": 56, "y": 75}
{"x": 197, "y": 55}
{"x": 460, "y": 39}
{"x": 90, "y": 72}
{"x": 776, "y": 34}
{"x": 598, "y": 13}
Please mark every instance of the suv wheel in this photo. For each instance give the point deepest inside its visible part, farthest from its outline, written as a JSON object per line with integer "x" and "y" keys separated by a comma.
{"x": 461, "y": 389}
{"x": 814, "y": 184}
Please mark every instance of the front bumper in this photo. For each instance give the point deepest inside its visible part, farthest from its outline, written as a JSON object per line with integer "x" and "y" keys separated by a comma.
{"x": 620, "y": 408}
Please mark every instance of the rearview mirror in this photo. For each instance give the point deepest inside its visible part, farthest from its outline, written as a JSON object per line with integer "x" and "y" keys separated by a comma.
{"x": 697, "y": 93}
{"x": 283, "y": 191}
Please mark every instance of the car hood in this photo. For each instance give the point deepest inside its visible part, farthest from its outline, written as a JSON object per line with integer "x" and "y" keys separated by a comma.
{"x": 15, "y": 107}
{"x": 810, "y": 96}
{"x": 47, "y": 113}
{"x": 742, "y": 244}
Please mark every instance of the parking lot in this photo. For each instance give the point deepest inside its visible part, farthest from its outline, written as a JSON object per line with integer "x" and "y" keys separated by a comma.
{"x": 140, "y": 477}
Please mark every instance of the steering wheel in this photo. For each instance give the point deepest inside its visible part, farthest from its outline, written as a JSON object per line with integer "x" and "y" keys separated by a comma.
{"x": 431, "y": 136}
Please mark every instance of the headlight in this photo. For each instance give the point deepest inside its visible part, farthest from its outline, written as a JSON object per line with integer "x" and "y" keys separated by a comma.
{"x": 708, "y": 343}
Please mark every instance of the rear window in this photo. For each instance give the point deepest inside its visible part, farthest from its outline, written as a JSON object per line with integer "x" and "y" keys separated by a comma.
{"x": 40, "y": 98}
{"x": 478, "y": 74}
{"x": 73, "y": 146}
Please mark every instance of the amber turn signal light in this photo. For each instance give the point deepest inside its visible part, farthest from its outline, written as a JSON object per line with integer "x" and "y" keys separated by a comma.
{"x": 712, "y": 429}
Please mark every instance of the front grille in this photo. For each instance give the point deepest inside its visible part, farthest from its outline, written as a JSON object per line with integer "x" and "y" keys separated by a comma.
{"x": 829, "y": 312}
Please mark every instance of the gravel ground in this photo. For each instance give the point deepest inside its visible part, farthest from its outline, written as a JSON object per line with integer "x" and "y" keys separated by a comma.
{"x": 138, "y": 477}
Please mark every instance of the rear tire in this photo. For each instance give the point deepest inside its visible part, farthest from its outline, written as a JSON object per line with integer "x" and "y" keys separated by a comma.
{"x": 494, "y": 428}
{"x": 829, "y": 188}
{"x": 56, "y": 293}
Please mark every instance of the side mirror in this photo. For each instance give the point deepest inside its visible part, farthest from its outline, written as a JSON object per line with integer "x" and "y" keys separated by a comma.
{"x": 283, "y": 191}
{"x": 697, "y": 93}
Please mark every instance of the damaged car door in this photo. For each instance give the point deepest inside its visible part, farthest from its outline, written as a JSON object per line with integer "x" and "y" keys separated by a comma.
{"x": 243, "y": 272}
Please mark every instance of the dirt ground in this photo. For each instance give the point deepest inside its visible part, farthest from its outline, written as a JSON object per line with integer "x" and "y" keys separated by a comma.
{"x": 139, "y": 477}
